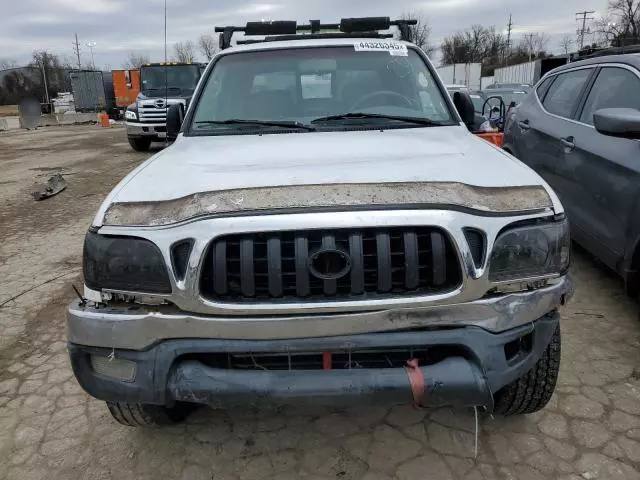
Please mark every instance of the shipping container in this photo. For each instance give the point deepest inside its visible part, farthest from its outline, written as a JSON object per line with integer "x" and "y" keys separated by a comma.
{"x": 529, "y": 72}
{"x": 92, "y": 90}
{"x": 126, "y": 85}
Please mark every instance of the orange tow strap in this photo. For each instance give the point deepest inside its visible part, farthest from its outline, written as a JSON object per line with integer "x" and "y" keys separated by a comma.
{"x": 417, "y": 382}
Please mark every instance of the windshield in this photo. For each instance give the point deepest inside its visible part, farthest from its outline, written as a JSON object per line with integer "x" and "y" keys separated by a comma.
{"x": 180, "y": 79}
{"x": 307, "y": 86}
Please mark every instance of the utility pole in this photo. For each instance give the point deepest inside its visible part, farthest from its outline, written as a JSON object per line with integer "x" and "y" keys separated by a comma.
{"x": 529, "y": 39}
{"x": 584, "y": 30}
{"x": 509, "y": 25}
{"x": 91, "y": 46}
{"x": 44, "y": 79}
{"x": 76, "y": 49}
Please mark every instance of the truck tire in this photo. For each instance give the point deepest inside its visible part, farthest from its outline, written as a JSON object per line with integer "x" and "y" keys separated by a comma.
{"x": 139, "y": 144}
{"x": 532, "y": 391}
{"x": 144, "y": 415}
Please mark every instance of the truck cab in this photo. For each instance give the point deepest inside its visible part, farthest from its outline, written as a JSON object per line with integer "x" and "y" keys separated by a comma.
{"x": 161, "y": 85}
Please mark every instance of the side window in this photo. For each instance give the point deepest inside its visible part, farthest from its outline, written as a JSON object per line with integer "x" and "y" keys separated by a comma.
{"x": 563, "y": 94}
{"x": 614, "y": 88}
{"x": 543, "y": 87}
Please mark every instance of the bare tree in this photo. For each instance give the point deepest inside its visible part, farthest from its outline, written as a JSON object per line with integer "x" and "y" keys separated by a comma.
{"x": 135, "y": 60}
{"x": 7, "y": 63}
{"x": 621, "y": 26}
{"x": 208, "y": 46}
{"x": 184, "y": 52}
{"x": 420, "y": 33}
{"x": 540, "y": 42}
{"x": 566, "y": 43}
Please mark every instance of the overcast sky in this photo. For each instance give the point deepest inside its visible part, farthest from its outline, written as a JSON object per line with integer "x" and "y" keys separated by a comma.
{"x": 121, "y": 26}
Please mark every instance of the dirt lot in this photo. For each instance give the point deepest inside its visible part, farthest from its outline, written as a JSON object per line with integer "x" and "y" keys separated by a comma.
{"x": 49, "y": 428}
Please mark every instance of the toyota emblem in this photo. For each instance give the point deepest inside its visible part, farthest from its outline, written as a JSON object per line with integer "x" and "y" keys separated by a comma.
{"x": 329, "y": 263}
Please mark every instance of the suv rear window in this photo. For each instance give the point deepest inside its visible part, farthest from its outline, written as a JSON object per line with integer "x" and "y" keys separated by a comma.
{"x": 563, "y": 94}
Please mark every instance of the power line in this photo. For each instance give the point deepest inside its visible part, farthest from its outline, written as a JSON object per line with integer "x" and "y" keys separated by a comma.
{"x": 584, "y": 30}
{"x": 76, "y": 50}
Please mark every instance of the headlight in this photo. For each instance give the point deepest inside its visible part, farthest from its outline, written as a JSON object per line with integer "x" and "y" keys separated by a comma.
{"x": 533, "y": 251}
{"x": 130, "y": 115}
{"x": 124, "y": 263}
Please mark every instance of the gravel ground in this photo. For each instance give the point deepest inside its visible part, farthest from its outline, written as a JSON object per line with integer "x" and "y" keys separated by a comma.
{"x": 49, "y": 428}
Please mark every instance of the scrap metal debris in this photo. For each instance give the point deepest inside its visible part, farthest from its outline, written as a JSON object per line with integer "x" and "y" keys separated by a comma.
{"x": 54, "y": 185}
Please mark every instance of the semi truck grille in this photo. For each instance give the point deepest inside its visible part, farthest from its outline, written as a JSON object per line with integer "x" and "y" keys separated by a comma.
{"x": 334, "y": 264}
{"x": 151, "y": 114}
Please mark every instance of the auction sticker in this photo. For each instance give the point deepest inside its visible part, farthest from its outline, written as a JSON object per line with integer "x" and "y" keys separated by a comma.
{"x": 395, "y": 49}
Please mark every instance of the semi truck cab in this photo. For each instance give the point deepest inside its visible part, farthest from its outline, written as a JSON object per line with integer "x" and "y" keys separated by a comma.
{"x": 161, "y": 85}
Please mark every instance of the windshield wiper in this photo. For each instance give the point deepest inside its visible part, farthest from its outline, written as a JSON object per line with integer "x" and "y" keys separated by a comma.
{"x": 361, "y": 115}
{"x": 266, "y": 123}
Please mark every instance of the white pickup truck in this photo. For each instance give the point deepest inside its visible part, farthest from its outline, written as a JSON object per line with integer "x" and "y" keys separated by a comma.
{"x": 325, "y": 228}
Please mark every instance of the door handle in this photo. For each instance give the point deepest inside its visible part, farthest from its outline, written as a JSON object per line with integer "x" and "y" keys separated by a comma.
{"x": 524, "y": 124}
{"x": 568, "y": 142}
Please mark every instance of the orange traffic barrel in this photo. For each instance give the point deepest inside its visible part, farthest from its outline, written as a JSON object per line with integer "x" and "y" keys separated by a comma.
{"x": 103, "y": 119}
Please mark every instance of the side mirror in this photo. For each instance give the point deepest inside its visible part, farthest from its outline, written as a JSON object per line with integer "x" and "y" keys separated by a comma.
{"x": 175, "y": 117}
{"x": 464, "y": 105}
{"x": 618, "y": 122}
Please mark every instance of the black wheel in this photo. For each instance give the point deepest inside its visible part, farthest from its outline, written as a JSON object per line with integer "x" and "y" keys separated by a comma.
{"x": 143, "y": 415}
{"x": 534, "y": 389}
{"x": 139, "y": 144}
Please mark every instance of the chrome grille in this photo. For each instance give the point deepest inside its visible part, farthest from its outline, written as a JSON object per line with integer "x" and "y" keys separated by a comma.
{"x": 277, "y": 266}
{"x": 149, "y": 113}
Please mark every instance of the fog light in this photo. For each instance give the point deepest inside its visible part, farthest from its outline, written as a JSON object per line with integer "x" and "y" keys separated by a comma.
{"x": 118, "y": 368}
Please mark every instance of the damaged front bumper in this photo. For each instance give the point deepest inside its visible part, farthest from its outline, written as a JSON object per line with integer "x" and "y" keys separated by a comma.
{"x": 217, "y": 372}
{"x": 137, "y": 327}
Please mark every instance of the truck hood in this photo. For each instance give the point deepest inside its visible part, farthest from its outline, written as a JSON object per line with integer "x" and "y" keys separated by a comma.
{"x": 196, "y": 169}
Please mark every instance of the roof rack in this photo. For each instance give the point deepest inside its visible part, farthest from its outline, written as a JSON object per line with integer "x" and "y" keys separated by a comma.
{"x": 591, "y": 52}
{"x": 367, "y": 27}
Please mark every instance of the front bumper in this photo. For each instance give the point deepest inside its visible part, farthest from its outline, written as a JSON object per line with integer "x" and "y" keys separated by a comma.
{"x": 173, "y": 371}
{"x": 146, "y": 130}
{"x": 136, "y": 327}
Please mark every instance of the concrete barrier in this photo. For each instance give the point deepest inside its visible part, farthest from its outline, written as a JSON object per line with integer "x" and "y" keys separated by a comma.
{"x": 9, "y": 123}
{"x": 68, "y": 119}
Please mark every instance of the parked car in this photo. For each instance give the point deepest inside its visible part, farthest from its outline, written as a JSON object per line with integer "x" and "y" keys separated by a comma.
{"x": 509, "y": 86}
{"x": 331, "y": 243}
{"x": 579, "y": 130}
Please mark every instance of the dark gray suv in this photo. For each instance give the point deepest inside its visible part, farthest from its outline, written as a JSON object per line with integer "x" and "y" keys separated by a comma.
{"x": 580, "y": 130}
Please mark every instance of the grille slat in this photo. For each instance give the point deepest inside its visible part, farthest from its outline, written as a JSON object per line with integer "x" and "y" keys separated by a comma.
{"x": 411, "y": 265}
{"x": 330, "y": 286}
{"x": 357, "y": 263}
{"x": 383, "y": 247}
{"x": 274, "y": 258}
{"x": 247, "y": 279}
{"x": 302, "y": 269}
{"x": 438, "y": 258}
{"x": 272, "y": 267}
{"x": 220, "y": 282}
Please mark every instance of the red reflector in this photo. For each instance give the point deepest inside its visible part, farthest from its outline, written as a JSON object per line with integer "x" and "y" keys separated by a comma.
{"x": 326, "y": 360}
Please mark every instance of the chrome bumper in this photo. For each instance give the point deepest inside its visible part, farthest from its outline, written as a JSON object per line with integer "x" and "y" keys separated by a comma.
{"x": 146, "y": 129}
{"x": 138, "y": 327}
